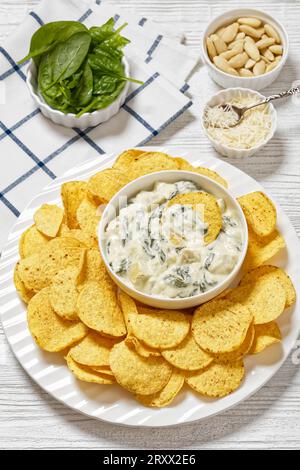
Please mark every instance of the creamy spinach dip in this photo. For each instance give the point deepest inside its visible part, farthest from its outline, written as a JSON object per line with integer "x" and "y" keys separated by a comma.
{"x": 159, "y": 249}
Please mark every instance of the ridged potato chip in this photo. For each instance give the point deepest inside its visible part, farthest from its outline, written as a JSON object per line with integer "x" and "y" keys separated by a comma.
{"x": 160, "y": 329}
{"x": 260, "y": 212}
{"x": 217, "y": 380}
{"x": 241, "y": 352}
{"x": 72, "y": 193}
{"x": 273, "y": 272}
{"x": 93, "y": 350}
{"x": 265, "y": 298}
{"x": 138, "y": 374}
{"x": 208, "y": 208}
{"x": 87, "y": 374}
{"x": 187, "y": 355}
{"x": 165, "y": 396}
{"x": 24, "y": 293}
{"x": 262, "y": 249}
{"x": 50, "y": 331}
{"x": 31, "y": 242}
{"x": 265, "y": 335}
{"x": 221, "y": 326}
{"x": 38, "y": 270}
{"x": 63, "y": 293}
{"x": 127, "y": 158}
{"x": 98, "y": 308}
{"x": 105, "y": 184}
{"x": 48, "y": 219}
{"x": 88, "y": 216}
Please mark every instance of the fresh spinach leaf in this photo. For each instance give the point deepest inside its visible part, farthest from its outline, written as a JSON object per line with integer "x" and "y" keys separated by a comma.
{"x": 49, "y": 35}
{"x": 100, "y": 33}
{"x": 102, "y": 101}
{"x": 105, "y": 84}
{"x": 64, "y": 60}
{"x": 82, "y": 94}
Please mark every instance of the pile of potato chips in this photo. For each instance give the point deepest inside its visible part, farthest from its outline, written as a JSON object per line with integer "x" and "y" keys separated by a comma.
{"x": 105, "y": 336}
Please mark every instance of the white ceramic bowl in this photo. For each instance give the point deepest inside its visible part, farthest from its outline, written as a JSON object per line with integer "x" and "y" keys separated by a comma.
{"x": 226, "y": 80}
{"x": 224, "y": 96}
{"x": 70, "y": 119}
{"x": 146, "y": 183}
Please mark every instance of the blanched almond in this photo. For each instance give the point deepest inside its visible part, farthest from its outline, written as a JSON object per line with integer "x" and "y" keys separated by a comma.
{"x": 211, "y": 48}
{"x": 218, "y": 43}
{"x": 271, "y": 66}
{"x": 249, "y": 31}
{"x": 254, "y": 22}
{"x": 259, "y": 68}
{"x": 240, "y": 36}
{"x": 220, "y": 31}
{"x": 263, "y": 43}
{"x": 249, "y": 39}
{"x": 250, "y": 63}
{"x": 230, "y": 32}
{"x": 268, "y": 54}
{"x": 238, "y": 61}
{"x": 228, "y": 54}
{"x": 276, "y": 49}
{"x": 272, "y": 33}
{"x": 223, "y": 65}
{"x": 252, "y": 50}
{"x": 237, "y": 45}
{"x": 245, "y": 73}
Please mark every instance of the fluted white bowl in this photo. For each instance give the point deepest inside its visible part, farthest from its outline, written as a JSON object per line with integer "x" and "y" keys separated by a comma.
{"x": 70, "y": 119}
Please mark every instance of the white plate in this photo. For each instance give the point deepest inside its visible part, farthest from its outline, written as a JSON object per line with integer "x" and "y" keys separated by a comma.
{"x": 111, "y": 403}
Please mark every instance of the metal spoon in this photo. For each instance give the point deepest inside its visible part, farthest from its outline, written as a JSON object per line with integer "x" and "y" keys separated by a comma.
{"x": 241, "y": 111}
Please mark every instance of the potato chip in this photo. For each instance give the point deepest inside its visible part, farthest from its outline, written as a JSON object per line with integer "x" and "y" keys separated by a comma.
{"x": 221, "y": 326}
{"x": 187, "y": 355}
{"x": 86, "y": 374}
{"x": 165, "y": 396}
{"x": 63, "y": 293}
{"x": 274, "y": 273}
{"x": 72, "y": 193}
{"x": 137, "y": 374}
{"x": 265, "y": 335}
{"x": 105, "y": 184}
{"x": 48, "y": 219}
{"x": 262, "y": 249}
{"x": 93, "y": 350}
{"x": 38, "y": 270}
{"x": 265, "y": 299}
{"x": 50, "y": 331}
{"x": 98, "y": 308}
{"x": 260, "y": 212}
{"x": 183, "y": 164}
{"x": 31, "y": 242}
{"x": 150, "y": 162}
{"x": 217, "y": 380}
{"x": 127, "y": 158}
{"x": 24, "y": 293}
{"x": 241, "y": 351}
{"x": 213, "y": 175}
{"x": 88, "y": 216}
{"x": 209, "y": 210}
{"x": 160, "y": 329}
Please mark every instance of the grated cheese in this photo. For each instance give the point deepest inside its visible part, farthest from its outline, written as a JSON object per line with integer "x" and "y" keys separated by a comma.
{"x": 250, "y": 132}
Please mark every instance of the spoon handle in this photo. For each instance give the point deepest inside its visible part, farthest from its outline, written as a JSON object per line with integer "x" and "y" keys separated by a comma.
{"x": 283, "y": 94}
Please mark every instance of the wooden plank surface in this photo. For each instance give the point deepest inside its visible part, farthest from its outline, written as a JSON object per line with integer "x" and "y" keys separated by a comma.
{"x": 29, "y": 418}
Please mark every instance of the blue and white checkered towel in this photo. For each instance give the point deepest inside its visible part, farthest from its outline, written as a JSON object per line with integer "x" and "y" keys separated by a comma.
{"x": 34, "y": 150}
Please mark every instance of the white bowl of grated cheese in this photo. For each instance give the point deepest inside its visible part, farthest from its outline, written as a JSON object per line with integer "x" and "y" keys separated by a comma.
{"x": 250, "y": 135}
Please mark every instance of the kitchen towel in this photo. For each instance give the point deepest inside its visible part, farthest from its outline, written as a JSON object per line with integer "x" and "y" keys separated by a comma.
{"x": 34, "y": 150}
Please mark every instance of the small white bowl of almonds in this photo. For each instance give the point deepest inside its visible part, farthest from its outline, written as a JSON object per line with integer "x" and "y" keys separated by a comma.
{"x": 245, "y": 48}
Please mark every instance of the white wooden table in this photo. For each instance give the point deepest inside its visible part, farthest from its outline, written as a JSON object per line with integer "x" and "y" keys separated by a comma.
{"x": 29, "y": 418}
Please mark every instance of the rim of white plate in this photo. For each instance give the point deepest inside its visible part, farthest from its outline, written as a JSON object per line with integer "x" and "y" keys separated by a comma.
{"x": 111, "y": 403}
